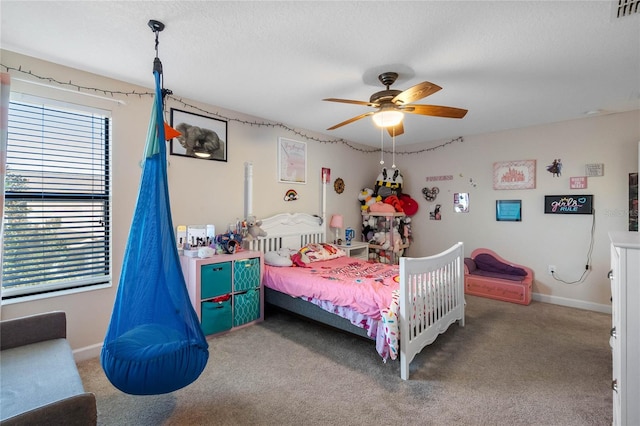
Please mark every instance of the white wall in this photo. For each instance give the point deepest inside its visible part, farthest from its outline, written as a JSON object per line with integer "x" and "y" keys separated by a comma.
{"x": 202, "y": 192}
{"x": 212, "y": 192}
{"x": 540, "y": 239}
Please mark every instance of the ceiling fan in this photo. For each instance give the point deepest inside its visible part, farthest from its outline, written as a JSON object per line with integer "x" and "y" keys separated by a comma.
{"x": 392, "y": 104}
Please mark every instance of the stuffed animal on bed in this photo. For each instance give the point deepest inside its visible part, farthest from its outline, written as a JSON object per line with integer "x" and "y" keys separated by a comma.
{"x": 253, "y": 228}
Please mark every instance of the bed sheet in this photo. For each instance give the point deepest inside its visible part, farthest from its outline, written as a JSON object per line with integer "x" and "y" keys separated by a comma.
{"x": 364, "y": 293}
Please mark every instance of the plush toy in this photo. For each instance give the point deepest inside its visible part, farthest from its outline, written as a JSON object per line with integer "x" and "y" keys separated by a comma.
{"x": 397, "y": 240}
{"x": 254, "y": 230}
{"x": 380, "y": 239}
{"x": 394, "y": 201}
{"x": 409, "y": 205}
{"x": 389, "y": 182}
{"x": 381, "y": 207}
{"x": 367, "y": 199}
{"x": 405, "y": 228}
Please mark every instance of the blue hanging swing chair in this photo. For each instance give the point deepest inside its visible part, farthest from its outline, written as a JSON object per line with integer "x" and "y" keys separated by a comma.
{"x": 154, "y": 343}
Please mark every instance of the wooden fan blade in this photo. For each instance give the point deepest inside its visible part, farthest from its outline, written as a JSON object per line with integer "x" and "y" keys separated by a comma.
{"x": 396, "y": 130}
{"x": 436, "y": 111}
{"x": 419, "y": 91}
{"x": 351, "y": 120}
{"x": 349, "y": 101}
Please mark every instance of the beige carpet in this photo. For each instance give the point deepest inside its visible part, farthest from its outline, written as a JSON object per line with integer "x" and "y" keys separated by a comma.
{"x": 510, "y": 365}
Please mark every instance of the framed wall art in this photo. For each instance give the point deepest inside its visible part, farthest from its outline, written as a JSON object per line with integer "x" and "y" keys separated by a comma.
{"x": 292, "y": 161}
{"x": 201, "y": 136}
{"x": 514, "y": 174}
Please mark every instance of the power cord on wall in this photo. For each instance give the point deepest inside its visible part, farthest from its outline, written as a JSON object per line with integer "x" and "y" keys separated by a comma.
{"x": 587, "y": 267}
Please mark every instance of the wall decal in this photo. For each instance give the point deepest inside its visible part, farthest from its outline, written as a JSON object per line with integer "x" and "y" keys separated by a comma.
{"x": 430, "y": 194}
{"x": 435, "y": 214}
{"x": 291, "y": 195}
{"x": 555, "y": 168}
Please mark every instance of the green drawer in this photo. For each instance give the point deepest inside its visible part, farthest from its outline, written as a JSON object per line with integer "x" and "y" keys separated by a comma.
{"x": 246, "y": 274}
{"x": 215, "y": 279}
{"x": 246, "y": 307}
{"x": 216, "y": 316}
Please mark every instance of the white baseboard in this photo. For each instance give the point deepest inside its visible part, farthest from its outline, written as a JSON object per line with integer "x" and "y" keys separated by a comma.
{"x": 88, "y": 352}
{"x": 572, "y": 303}
{"x": 93, "y": 351}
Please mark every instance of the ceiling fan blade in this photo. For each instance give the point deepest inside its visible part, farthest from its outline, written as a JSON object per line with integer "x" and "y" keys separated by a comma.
{"x": 419, "y": 91}
{"x": 436, "y": 111}
{"x": 396, "y": 130}
{"x": 349, "y": 101}
{"x": 351, "y": 120}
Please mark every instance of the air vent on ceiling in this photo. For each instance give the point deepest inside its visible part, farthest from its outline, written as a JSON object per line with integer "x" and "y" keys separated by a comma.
{"x": 626, "y": 7}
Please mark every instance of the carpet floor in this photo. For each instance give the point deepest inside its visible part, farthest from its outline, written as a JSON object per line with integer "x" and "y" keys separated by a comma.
{"x": 540, "y": 364}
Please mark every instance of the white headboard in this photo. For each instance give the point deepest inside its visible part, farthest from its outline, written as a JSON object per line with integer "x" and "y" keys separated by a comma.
{"x": 288, "y": 230}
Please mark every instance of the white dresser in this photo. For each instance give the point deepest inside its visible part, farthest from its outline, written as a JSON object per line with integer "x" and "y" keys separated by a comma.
{"x": 625, "y": 331}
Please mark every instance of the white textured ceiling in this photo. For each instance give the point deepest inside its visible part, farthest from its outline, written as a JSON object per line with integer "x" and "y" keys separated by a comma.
{"x": 510, "y": 63}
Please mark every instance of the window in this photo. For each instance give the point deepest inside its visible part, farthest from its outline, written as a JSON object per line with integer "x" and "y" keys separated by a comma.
{"x": 57, "y": 198}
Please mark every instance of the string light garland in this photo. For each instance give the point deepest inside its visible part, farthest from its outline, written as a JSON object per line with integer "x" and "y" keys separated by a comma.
{"x": 184, "y": 104}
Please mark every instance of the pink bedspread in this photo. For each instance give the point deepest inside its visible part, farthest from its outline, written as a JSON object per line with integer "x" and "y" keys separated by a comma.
{"x": 365, "y": 287}
{"x": 364, "y": 293}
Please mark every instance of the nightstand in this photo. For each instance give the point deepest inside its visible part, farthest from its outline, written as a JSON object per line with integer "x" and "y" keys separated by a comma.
{"x": 357, "y": 249}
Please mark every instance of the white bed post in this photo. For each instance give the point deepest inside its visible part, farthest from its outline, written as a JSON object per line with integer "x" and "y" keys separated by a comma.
{"x": 324, "y": 197}
{"x": 248, "y": 189}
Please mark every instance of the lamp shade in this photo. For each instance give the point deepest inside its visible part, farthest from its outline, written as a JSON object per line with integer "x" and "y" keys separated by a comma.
{"x": 337, "y": 221}
{"x": 387, "y": 117}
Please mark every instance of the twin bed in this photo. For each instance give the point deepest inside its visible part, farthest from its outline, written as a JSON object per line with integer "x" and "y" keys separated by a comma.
{"x": 402, "y": 307}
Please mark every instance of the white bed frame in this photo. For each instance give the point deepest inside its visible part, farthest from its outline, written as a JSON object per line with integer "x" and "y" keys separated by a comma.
{"x": 431, "y": 288}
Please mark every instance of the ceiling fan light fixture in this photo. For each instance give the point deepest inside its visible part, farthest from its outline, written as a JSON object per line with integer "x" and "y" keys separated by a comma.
{"x": 387, "y": 117}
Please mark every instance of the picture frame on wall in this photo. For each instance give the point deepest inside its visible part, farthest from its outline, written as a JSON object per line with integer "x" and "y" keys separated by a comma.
{"x": 292, "y": 161}
{"x": 519, "y": 174}
{"x": 201, "y": 136}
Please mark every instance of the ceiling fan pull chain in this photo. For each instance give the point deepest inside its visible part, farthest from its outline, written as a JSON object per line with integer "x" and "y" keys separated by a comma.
{"x": 393, "y": 144}
{"x": 381, "y": 145}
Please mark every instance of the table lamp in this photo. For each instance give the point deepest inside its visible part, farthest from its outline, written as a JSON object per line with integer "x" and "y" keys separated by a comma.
{"x": 337, "y": 222}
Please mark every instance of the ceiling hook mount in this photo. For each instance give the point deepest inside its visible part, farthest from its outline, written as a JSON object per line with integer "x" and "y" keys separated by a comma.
{"x": 156, "y": 27}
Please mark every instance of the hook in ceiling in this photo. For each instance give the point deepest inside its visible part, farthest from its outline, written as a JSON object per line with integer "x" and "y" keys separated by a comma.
{"x": 156, "y": 27}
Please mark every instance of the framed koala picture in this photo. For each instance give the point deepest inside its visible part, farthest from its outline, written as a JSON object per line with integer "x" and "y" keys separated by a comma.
{"x": 200, "y": 136}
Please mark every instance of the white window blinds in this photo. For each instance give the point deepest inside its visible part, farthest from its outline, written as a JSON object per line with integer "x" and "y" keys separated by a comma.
{"x": 57, "y": 199}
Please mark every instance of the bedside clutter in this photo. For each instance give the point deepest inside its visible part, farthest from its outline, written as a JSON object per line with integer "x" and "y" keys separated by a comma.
{"x": 486, "y": 274}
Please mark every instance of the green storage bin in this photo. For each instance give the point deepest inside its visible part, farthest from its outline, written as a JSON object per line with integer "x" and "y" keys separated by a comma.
{"x": 216, "y": 316}
{"x": 215, "y": 279}
{"x": 246, "y": 274}
{"x": 246, "y": 307}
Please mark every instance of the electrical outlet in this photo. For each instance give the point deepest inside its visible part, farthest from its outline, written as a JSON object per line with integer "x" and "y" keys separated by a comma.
{"x": 552, "y": 269}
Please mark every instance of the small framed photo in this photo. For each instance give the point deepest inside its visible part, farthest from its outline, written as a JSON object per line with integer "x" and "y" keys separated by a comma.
{"x": 509, "y": 210}
{"x": 292, "y": 161}
{"x": 201, "y": 137}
